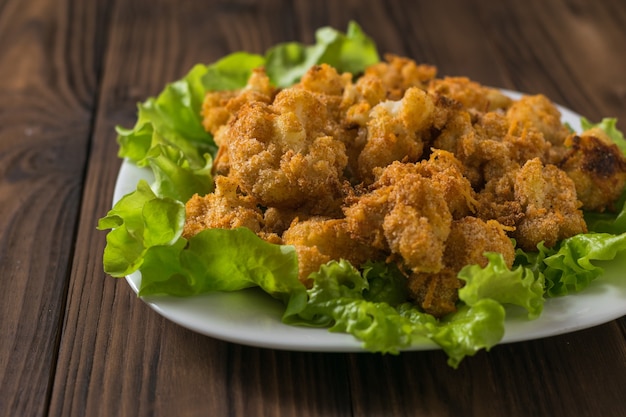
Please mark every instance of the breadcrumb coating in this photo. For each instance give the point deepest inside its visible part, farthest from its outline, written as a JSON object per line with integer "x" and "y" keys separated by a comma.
{"x": 401, "y": 166}
{"x": 539, "y": 201}
{"x": 469, "y": 239}
{"x": 319, "y": 240}
{"x": 597, "y": 167}
{"x": 225, "y": 208}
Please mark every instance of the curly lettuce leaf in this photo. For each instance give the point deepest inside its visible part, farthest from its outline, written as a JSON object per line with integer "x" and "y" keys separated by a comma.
{"x": 176, "y": 177}
{"x": 470, "y": 329}
{"x": 213, "y": 260}
{"x": 350, "y": 52}
{"x": 570, "y": 267}
{"x": 172, "y": 118}
{"x": 496, "y": 281}
{"x": 231, "y": 72}
{"x": 386, "y": 283}
{"x": 139, "y": 221}
{"x": 338, "y": 300}
{"x": 146, "y": 236}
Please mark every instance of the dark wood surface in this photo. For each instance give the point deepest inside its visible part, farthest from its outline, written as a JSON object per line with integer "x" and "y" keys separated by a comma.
{"x": 74, "y": 342}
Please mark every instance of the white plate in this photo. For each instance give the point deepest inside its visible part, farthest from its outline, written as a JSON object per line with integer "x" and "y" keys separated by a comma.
{"x": 251, "y": 317}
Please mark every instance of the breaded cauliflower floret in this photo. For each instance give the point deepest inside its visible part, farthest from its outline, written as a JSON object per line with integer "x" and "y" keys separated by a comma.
{"x": 435, "y": 293}
{"x": 219, "y": 107}
{"x": 319, "y": 240}
{"x": 282, "y": 155}
{"x": 598, "y": 169}
{"x": 225, "y": 208}
{"x": 469, "y": 239}
{"x": 406, "y": 214}
{"x": 482, "y": 158}
{"x": 488, "y": 147}
{"x": 470, "y": 94}
{"x": 398, "y": 74}
{"x": 539, "y": 113}
{"x": 447, "y": 171}
{"x": 538, "y": 201}
{"x": 327, "y": 83}
{"x": 395, "y": 131}
{"x": 551, "y": 208}
{"x": 359, "y": 98}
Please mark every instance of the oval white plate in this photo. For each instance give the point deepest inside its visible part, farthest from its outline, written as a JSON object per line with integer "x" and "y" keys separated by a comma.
{"x": 251, "y": 317}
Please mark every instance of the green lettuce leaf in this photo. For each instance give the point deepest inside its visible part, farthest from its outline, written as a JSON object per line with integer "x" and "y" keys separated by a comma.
{"x": 608, "y": 222}
{"x": 139, "y": 221}
{"x": 496, "y": 281}
{"x": 570, "y": 268}
{"x": 386, "y": 283}
{"x": 351, "y": 52}
{"x": 470, "y": 329}
{"x": 146, "y": 236}
{"x": 337, "y": 300}
{"x": 175, "y": 176}
{"x": 213, "y": 260}
{"x": 231, "y": 72}
{"x": 172, "y": 118}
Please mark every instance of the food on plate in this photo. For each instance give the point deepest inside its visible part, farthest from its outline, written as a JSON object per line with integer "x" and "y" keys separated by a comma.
{"x": 371, "y": 197}
{"x": 400, "y": 166}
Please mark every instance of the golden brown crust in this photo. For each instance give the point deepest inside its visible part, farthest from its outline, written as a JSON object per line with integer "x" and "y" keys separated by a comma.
{"x": 398, "y": 165}
{"x": 597, "y": 167}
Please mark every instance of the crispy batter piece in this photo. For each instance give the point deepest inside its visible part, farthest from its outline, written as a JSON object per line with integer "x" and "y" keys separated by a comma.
{"x": 538, "y": 201}
{"x": 597, "y": 167}
{"x": 319, "y": 240}
{"x": 539, "y": 113}
{"x": 402, "y": 166}
{"x": 409, "y": 209}
{"x": 469, "y": 239}
{"x": 225, "y": 208}
{"x": 220, "y": 107}
{"x": 398, "y": 74}
{"x": 395, "y": 131}
{"x": 470, "y": 94}
{"x": 281, "y": 155}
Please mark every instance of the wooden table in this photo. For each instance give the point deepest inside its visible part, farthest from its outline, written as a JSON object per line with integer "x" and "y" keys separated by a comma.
{"x": 75, "y": 342}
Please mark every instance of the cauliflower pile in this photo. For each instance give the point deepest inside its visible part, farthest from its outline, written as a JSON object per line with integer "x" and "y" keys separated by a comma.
{"x": 400, "y": 166}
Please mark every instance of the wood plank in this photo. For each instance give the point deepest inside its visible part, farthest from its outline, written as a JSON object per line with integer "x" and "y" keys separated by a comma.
{"x": 516, "y": 45}
{"x": 573, "y": 374}
{"x": 48, "y": 80}
{"x": 118, "y": 357}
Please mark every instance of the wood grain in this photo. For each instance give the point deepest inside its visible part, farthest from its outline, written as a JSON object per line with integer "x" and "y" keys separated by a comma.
{"x": 107, "y": 369}
{"x": 569, "y": 375}
{"x": 48, "y": 82}
{"x": 74, "y": 342}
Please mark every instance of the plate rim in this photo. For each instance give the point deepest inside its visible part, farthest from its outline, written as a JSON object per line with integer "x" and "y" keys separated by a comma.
{"x": 321, "y": 340}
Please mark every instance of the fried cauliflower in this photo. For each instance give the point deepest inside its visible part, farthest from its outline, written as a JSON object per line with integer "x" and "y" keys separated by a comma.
{"x": 400, "y": 166}
{"x": 597, "y": 167}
